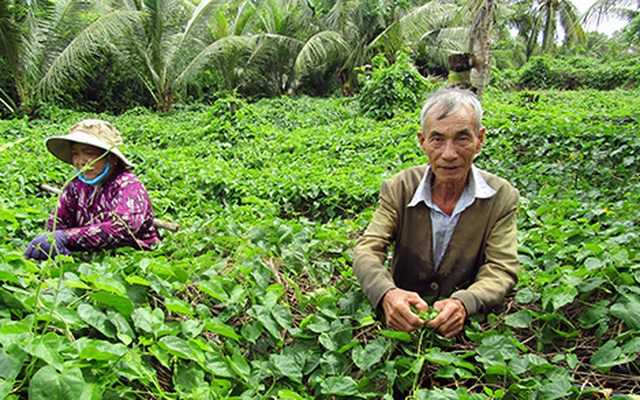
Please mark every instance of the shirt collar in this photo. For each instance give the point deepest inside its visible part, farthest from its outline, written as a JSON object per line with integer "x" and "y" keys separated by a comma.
{"x": 477, "y": 187}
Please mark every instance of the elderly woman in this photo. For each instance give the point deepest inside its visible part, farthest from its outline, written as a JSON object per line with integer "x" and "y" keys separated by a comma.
{"x": 105, "y": 206}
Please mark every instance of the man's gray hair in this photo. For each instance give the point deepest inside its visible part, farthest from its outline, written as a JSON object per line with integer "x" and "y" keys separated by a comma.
{"x": 450, "y": 100}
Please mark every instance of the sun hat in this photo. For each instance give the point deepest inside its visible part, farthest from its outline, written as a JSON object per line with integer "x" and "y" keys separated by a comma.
{"x": 94, "y": 132}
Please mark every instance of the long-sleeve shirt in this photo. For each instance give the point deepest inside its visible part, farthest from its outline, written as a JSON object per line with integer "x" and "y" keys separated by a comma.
{"x": 117, "y": 213}
{"x": 479, "y": 266}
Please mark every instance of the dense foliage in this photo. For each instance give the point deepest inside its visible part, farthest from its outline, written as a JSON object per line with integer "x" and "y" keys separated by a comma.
{"x": 578, "y": 73}
{"x": 387, "y": 89}
{"x": 254, "y": 297}
{"x": 97, "y": 56}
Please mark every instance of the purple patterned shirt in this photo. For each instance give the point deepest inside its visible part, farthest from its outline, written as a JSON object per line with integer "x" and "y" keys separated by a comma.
{"x": 116, "y": 214}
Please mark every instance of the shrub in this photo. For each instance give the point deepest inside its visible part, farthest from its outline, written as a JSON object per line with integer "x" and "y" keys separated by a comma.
{"x": 386, "y": 88}
{"x": 578, "y": 73}
{"x": 505, "y": 80}
{"x": 539, "y": 73}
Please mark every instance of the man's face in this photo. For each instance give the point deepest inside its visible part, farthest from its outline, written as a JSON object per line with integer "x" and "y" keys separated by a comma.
{"x": 84, "y": 154}
{"x": 451, "y": 144}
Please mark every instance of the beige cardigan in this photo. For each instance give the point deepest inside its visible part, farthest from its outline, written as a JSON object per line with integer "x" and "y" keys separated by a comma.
{"x": 479, "y": 266}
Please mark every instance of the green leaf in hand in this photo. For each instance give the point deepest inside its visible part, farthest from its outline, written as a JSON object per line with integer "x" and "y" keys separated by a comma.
{"x": 433, "y": 313}
{"x": 426, "y": 315}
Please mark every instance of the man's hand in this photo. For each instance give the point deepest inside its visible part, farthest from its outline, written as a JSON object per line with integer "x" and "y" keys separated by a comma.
{"x": 397, "y": 303}
{"x": 451, "y": 318}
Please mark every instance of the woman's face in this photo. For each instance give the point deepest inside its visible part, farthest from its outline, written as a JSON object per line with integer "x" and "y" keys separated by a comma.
{"x": 84, "y": 155}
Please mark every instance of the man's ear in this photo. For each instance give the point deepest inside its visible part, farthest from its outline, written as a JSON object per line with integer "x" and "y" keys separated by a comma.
{"x": 421, "y": 140}
{"x": 480, "y": 136}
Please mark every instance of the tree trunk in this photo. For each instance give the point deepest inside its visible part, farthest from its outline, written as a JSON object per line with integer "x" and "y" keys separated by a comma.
{"x": 479, "y": 46}
{"x": 460, "y": 70}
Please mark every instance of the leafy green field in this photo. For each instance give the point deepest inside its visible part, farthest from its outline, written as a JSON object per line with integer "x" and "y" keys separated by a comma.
{"x": 254, "y": 296}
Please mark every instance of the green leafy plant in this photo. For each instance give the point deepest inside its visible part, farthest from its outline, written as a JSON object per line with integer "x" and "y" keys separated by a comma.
{"x": 255, "y": 297}
{"x": 386, "y": 89}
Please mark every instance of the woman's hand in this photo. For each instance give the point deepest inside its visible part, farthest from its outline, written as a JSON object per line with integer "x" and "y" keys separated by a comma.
{"x": 41, "y": 247}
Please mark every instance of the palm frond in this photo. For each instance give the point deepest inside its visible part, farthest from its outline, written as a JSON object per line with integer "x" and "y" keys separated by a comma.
{"x": 602, "y": 9}
{"x": 6, "y": 101}
{"x": 570, "y": 22}
{"x": 340, "y": 16}
{"x": 267, "y": 44}
{"x": 72, "y": 61}
{"x": 440, "y": 43}
{"x": 270, "y": 17}
{"x": 453, "y": 39}
{"x": 411, "y": 27}
{"x": 219, "y": 25}
{"x": 45, "y": 41}
{"x": 11, "y": 38}
{"x": 243, "y": 16}
{"x": 273, "y": 58}
{"x": 64, "y": 12}
{"x": 225, "y": 45}
{"x": 202, "y": 12}
{"x": 155, "y": 30}
{"x": 320, "y": 49}
{"x": 549, "y": 32}
{"x": 467, "y": 12}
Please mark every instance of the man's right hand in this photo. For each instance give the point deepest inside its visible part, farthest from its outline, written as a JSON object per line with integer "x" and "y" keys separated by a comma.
{"x": 397, "y": 303}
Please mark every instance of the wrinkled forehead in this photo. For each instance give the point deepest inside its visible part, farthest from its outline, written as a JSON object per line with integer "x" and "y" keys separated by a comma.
{"x": 442, "y": 111}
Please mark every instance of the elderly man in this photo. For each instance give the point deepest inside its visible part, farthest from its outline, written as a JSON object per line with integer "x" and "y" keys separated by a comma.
{"x": 452, "y": 225}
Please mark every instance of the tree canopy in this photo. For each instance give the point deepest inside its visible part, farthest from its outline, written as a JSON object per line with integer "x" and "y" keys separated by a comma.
{"x": 57, "y": 49}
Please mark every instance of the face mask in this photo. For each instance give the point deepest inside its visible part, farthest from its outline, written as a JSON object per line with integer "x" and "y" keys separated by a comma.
{"x": 97, "y": 179}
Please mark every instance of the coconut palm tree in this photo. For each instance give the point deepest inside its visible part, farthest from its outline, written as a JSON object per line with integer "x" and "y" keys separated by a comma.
{"x": 353, "y": 31}
{"x": 475, "y": 20}
{"x": 46, "y": 45}
{"x": 554, "y": 13}
{"x": 229, "y": 46}
{"x": 164, "y": 42}
{"x": 447, "y": 29}
{"x": 542, "y": 18}
{"x": 430, "y": 25}
{"x": 288, "y": 47}
{"x": 282, "y": 30}
{"x": 357, "y": 23}
{"x": 481, "y": 15}
{"x": 10, "y": 40}
{"x": 213, "y": 36}
{"x": 626, "y": 10}
{"x": 623, "y": 9}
